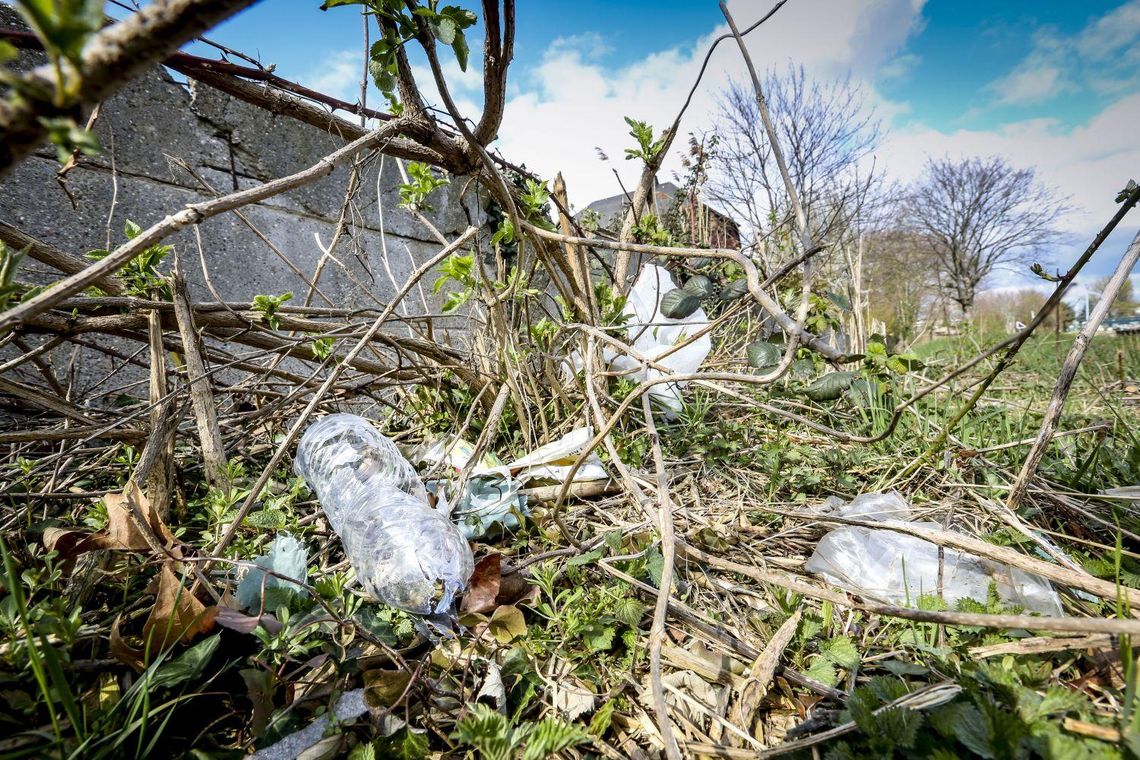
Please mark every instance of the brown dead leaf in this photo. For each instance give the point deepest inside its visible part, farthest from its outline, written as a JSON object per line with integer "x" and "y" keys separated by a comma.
{"x": 63, "y": 540}
{"x": 484, "y": 585}
{"x": 124, "y": 531}
{"x": 124, "y": 652}
{"x": 176, "y": 614}
{"x": 383, "y": 688}
{"x": 763, "y": 670}
{"x": 514, "y": 589}
{"x": 228, "y": 617}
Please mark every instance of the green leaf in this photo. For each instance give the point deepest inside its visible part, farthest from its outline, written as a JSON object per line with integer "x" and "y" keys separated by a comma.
{"x": 406, "y": 744}
{"x": 462, "y": 52}
{"x": 629, "y": 611}
{"x": 550, "y": 736}
{"x": 734, "y": 290}
{"x": 444, "y": 30}
{"x": 762, "y": 354}
{"x": 654, "y": 565}
{"x": 69, "y": 137}
{"x": 679, "y": 303}
{"x": 507, "y": 624}
{"x": 830, "y": 386}
{"x": 8, "y": 51}
{"x": 587, "y": 558}
{"x": 699, "y": 285}
{"x": 598, "y": 637}
{"x": 188, "y": 665}
{"x": 63, "y": 26}
{"x": 841, "y": 650}
{"x": 823, "y": 671}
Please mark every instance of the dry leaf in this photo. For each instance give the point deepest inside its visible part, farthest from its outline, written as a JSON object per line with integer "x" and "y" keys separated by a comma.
{"x": 123, "y": 532}
{"x": 176, "y": 614}
{"x": 124, "y": 652}
{"x": 570, "y": 695}
{"x": 483, "y": 588}
{"x": 383, "y": 688}
{"x": 63, "y": 540}
{"x": 760, "y": 675}
{"x": 513, "y": 589}
{"x": 228, "y": 617}
{"x": 507, "y": 624}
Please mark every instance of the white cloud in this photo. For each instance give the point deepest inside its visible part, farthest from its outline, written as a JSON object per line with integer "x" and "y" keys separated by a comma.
{"x": 1089, "y": 163}
{"x": 1104, "y": 57}
{"x": 339, "y": 75}
{"x": 1029, "y": 84}
{"x": 573, "y": 101}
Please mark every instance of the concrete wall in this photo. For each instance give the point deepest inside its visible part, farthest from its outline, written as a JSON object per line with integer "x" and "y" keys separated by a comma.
{"x": 153, "y": 123}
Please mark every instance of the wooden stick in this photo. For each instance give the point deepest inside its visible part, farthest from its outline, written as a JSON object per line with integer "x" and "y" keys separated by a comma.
{"x": 201, "y": 394}
{"x": 1069, "y": 372}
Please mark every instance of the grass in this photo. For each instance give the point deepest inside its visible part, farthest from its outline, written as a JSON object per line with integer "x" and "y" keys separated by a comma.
{"x": 558, "y": 665}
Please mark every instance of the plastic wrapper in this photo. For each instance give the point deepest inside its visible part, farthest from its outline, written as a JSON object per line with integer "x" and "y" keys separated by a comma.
{"x": 896, "y": 568}
{"x": 404, "y": 552}
{"x": 552, "y": 462}
{"x": 258, "y": 589}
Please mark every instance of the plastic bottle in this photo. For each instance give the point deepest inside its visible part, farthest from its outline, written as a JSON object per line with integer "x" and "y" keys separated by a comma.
{"x": 405, "y": 553}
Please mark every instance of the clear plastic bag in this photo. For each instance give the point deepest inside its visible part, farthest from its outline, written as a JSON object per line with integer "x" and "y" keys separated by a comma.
{"x": 404, "y": 552}
{"x": 896, "y": 568}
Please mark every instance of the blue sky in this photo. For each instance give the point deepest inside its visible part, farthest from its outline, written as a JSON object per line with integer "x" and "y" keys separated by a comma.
{"x": 1049, "y": 83}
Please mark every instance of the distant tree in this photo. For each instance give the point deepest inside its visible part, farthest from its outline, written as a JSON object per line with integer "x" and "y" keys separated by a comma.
{"x": 1124, "y": 305}
{"x": 899, "y": 279}
{"x": 1001, "y": 310}
{"x": 827, "y": 135}
{"x": 977, "y": 215}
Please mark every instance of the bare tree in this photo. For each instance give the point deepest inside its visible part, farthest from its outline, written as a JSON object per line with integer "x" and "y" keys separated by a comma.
{"x": 978, "y": 215}
{"x": 828, "y": 136}
{"x": 1124, "y": 305}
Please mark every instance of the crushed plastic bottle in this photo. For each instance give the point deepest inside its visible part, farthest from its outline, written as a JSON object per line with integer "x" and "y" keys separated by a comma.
{"x": 404, "y": 552}
{"x": 897, "y": 568}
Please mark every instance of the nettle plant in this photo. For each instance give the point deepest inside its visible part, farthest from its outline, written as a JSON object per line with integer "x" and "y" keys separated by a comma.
{"x": 141, "y": 274}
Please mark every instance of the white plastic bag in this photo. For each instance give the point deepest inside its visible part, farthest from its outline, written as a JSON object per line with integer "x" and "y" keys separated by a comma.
{"x": 896, "y": 568}
{"x": 654, "y": 335}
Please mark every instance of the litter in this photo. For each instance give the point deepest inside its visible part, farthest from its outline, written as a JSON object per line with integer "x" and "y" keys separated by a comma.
{"x": 486, "y": 500}
{"x": 655, "y": 336}
{"x": 491, "y": 495}
{"x": 288, "y": 557}
{"x": 553, "y": 461}
{"x": 404, "y": 552}
{"x": 896, "y": 568}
